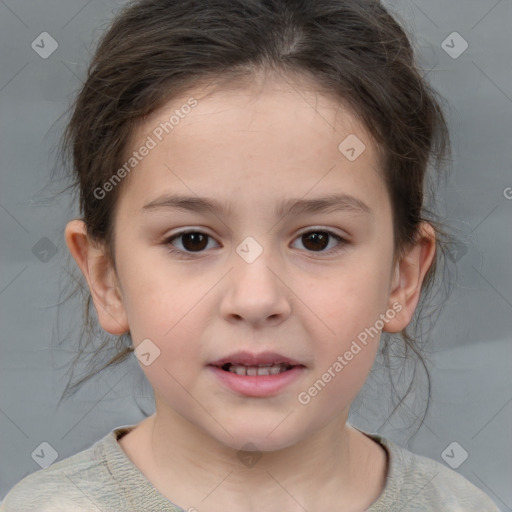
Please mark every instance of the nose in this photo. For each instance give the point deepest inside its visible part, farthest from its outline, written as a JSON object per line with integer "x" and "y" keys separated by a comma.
{"x": 255, "y": 292}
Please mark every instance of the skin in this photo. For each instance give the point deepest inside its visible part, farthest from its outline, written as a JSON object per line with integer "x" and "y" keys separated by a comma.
{"x": 253, "y": 146}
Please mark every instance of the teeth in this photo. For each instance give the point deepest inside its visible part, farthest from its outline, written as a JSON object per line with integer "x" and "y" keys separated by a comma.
{"x": 266, "y": 369}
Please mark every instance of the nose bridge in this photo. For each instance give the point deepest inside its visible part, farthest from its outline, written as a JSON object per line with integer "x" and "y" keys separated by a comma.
{"x": 255, "y": 290}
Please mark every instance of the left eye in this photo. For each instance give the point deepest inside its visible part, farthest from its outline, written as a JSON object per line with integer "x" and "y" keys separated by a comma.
{"x": 197, "y": 241}
{"x": 318, "y": 240}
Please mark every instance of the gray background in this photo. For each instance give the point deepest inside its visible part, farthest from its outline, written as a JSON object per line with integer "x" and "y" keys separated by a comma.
{"x": 470, "y": 347}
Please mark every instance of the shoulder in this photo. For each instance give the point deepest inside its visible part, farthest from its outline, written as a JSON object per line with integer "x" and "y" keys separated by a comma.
{"x": 418, "y": 483}
{"x": 80, "y": 483}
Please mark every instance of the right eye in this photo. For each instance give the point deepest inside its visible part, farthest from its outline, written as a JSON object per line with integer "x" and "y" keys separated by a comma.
{"x": 192, "y": 242}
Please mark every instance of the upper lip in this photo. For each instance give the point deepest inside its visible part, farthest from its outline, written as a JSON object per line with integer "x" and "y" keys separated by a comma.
{"x": 251, "y": 359}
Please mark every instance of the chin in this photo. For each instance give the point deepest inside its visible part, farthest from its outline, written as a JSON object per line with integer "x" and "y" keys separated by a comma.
{"x": 259, "y": 438}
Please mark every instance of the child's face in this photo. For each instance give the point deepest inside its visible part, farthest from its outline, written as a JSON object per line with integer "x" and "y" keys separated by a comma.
{"x": 306, "y": 299}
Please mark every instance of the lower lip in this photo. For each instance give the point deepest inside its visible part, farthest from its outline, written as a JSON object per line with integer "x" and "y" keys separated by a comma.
{"x": 257, "y": 385}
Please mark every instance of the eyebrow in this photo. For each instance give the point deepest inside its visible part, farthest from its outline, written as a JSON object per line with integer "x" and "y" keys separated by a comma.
{"x": 326, "y": 204}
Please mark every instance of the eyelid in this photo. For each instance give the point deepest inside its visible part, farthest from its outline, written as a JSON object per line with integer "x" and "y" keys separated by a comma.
{"x": 306, "y": 229}
{"x": 333, "y": 231}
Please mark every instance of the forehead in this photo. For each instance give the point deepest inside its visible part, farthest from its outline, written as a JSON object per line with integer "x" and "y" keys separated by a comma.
{"x": 264, "y": 100}
{"x": 282, "y": 132}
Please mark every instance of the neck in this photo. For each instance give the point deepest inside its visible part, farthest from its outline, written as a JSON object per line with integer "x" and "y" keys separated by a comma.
{"x": 337, "y": 465}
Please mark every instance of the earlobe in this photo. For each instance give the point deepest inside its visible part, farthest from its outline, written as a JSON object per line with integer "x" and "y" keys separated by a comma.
{"x": 408, "y": 278}
{"x": 100, "y": 276}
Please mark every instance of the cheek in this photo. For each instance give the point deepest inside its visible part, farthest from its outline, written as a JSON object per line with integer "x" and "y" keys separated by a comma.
{"x": 349, "y": 301}
{"x": 346, "y": 330}
{"x": 174, "y": 339}
{"x": 177, "y": 332}
{"x": 336, "y": 388}
{"x": 154, "y": 298}
{"x": 344, "y": 359}
{"x": 166, "y": 311}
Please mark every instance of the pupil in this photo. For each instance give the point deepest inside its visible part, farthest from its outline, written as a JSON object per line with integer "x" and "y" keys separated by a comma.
{"x": 319, "y": 240}
{"x": 196, "y": 242}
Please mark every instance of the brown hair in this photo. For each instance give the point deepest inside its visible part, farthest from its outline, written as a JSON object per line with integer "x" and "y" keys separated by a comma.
{"x": 353, "y": 49}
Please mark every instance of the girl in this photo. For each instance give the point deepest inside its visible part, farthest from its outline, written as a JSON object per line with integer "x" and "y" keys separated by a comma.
{"x": 251, "y": 178}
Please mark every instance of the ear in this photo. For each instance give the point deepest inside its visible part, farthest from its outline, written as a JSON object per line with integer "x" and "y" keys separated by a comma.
{"x": 106, "y": 293}
{"x": 408, "y": 277}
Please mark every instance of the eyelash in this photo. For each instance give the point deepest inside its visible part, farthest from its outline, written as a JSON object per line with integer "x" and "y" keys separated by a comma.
{"x": 188, "y": 255}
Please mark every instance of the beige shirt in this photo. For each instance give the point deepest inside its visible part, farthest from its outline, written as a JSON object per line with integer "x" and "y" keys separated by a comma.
{"x": 103, "y": 479}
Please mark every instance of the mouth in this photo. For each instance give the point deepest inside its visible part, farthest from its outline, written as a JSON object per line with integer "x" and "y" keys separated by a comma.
{"x": 261, "y": 369}
{"x": 250, "y": 364}
{"x": 257, "y": 375}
